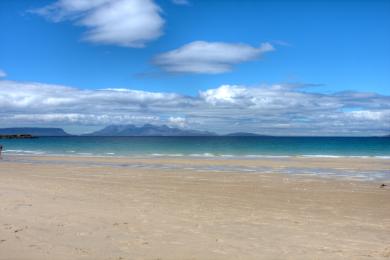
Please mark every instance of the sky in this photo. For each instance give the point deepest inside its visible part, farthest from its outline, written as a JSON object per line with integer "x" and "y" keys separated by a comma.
{"x": 270, "y": 67}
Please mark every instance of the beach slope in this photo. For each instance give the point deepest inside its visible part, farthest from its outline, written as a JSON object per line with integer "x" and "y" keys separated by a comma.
{"x": 61, "y": 209}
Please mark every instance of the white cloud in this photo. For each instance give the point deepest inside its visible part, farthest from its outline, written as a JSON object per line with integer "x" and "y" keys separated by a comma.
{"x": 37, "y": 96}
{"x": 268, "y": 97}
{"x": 209, "y": 57}
{"x": 81, "y": 119}
{"x": 181, "y": 2}
{"x": 223, "y": 94}
{"x": 3, "y": 74}
{"x": 370, "y": 115}
{"x": 128, "y": 23}
{"x": 276, "y": 109}
{"x": 177, "y": 121}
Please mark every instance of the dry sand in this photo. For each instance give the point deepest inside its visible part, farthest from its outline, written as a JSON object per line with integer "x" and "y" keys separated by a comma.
{"x": 57, "y": 208}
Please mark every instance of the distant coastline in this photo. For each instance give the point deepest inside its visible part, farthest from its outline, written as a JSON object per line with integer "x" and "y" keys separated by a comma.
{"x": 32, "y": 131}
{"x": 119, "y": 130}
{"x": 147, "y": 130}
{"x": 17, "y": 136}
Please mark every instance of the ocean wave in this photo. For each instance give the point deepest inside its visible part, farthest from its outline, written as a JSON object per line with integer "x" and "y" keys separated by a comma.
{"x": 347, "y": 173}
{"x": 10, "y": 151}
{"x": 85, "y": 154}
{"x": 321, "y": 156}
{"x": 182, "y": 155}
{"x": 344, "y": 156}
{"x": 382, "y": 157}
{"x": 162, "y": 155}
{"x": 203, "y": 155}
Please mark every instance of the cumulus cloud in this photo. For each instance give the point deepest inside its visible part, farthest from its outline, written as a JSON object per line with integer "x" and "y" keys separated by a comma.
{"x": 177, "y": 121}
{"x": 2, "y": 74}
{"x": 37, "y": 96}
{"x": 209, "y": 57}
{"x": 128, "y": 23}
{"x": 268, "y": 109}
{"x": 370, "y": 115}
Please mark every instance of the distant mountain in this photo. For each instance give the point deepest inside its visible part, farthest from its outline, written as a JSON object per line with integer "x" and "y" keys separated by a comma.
{"x": 243, "y": 134}
{"x": 34, "y": 131}
{"x": 147, "y": 130}
{"x": 119, "y": 130}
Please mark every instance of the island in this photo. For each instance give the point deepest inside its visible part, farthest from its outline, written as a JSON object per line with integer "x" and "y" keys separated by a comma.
{"x": 22, "y": 136}
{"x": 31, "y": 132}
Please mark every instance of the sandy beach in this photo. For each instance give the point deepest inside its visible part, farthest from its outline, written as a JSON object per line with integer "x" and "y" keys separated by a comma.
{"x": 98, "y": 208}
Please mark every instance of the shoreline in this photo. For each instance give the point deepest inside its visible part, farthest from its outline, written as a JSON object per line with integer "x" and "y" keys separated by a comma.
{"x": 192, "y": 155}
{"x": 352, "y": 168}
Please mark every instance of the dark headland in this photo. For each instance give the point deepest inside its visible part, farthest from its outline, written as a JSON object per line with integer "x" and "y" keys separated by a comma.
{"x": 30, "y": 132}
{"x": 23, "y": 136}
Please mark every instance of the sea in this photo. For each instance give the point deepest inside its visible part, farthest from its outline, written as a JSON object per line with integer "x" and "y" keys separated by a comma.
{"x": 206, "y": 146}
{"x": 209, "y": 148}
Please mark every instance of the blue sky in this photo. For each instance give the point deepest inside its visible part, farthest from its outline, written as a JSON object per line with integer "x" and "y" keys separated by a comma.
{"x": 334, "y": 45}
{"x": 341, "y": 44}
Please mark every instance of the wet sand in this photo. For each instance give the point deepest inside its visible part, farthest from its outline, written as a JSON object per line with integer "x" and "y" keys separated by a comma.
{"x": 88, "y": 208}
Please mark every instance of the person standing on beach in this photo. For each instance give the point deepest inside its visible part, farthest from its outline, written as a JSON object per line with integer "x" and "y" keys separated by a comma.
{"x": 1, "y": 149}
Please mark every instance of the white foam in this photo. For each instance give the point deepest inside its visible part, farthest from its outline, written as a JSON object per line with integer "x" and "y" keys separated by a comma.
{"x": 24, "y": 152}
{"x": 265, "y": 156}
{"x": 344, "y": 156}
{"x": 88, "y": 154}
{"x": 320, "y": 156}
{"x": 383, "y": 157}
{"x": 200, "y": 155}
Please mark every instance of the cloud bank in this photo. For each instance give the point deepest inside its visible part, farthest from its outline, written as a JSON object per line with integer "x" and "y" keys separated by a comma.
{"x": 209, "y": 57}
{"x": 269, "y": 109}
{"x": 127, "y": 23}
{"x": 2, "y": 74}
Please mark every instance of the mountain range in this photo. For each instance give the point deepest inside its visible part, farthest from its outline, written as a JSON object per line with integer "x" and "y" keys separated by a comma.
{"x": 120, "y": 130}
{"x": 147, "y": 130}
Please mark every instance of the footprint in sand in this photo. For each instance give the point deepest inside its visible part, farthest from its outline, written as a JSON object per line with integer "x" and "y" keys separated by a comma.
{"x": 81, "y": 251}
{"x": 20, "y": 229}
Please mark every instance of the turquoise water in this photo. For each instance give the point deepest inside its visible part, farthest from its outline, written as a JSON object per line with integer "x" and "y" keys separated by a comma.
{"x": 201, "y": 146}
